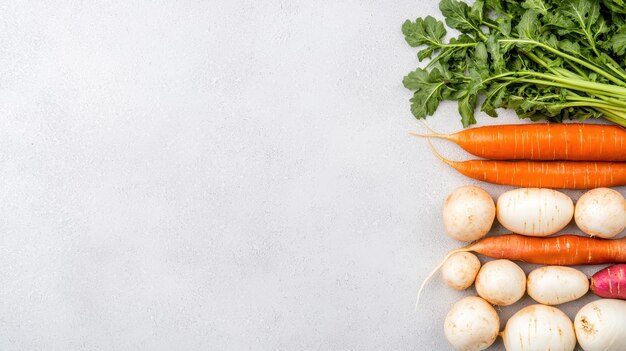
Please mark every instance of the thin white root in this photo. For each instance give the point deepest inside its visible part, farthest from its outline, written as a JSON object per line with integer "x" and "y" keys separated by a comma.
{"x": 430, "y": 130}
{"x": 431, "y": 133}
{"x": 439, "y": 156}
{"x": 421, "y": 135}
{"x": 432, "y": 274}
{"x": 440, "y": 136}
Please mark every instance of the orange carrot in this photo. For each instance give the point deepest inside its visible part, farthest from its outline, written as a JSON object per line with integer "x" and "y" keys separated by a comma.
{"x": 563, "y": 250}
{"x": 544, "y": 174}
{"x": 573, "y": 142}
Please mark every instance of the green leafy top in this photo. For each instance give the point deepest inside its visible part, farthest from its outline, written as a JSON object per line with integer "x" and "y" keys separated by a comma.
{"x": 554, "y": 59}
{"x": 427, "y": 31}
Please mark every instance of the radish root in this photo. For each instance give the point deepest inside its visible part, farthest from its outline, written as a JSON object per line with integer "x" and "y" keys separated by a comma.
{"x": 432, "y": 274}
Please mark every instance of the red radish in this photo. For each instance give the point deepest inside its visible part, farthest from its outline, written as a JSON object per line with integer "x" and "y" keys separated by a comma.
{"x": 610, "y": 282}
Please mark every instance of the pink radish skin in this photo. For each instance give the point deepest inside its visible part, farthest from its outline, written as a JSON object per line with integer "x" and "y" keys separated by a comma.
{"x": 610, "y": 282}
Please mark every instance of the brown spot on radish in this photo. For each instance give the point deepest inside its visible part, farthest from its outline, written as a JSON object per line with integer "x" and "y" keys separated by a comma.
{"x": 586, "y": 326}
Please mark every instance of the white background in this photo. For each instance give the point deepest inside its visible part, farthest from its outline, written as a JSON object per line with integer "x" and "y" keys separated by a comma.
{"x": 222, "y": 175}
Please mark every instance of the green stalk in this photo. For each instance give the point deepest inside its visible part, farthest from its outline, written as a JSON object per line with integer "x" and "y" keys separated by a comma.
{"x": 591, "y": 104}
{"x": 616, "y": 70}
{"x": 562, "y": 85}
{"x": 559, "y": 71}
{"x": 614, "y": 117}
{"x": 569, "y": 57}
{"x": 577, "y": 69}
{"x": 462, "y": 45}
{"x": 581, "y": 83}
{"x": 604, "y": 99}
{"x": 541, "y": 62}
{"x": 548, "y": 97}
{"x": 489, "y": 24}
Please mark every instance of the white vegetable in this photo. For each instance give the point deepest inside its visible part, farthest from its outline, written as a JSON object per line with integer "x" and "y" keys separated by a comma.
{"x": 534, "y": 212}
{"x": 553, "y": 285}
{"x": 539, "y": 328}
{"x": 460, "y": 270}
{"x": 601, "y": 212}
{"x": 501, "y": 282}
{"x": 472, "y": 324}
{"x": 468, "y": 213}
{"x": 600, "y": 325}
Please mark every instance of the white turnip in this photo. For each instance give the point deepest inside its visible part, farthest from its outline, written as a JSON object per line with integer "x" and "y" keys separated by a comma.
{"x": 601, "y": 212}
{"x": 539, "y": 328}
{"x": 553, "y": 285}
{"x": 501, "y": 282}
{"x": 460, "y": 270}
{"x": 472, "y": 324}
{"x": 534, "y": 211}
{"x": 468, "y": 213}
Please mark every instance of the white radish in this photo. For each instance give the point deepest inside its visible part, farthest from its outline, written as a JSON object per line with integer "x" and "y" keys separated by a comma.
{"x": 534, "y": 211}
{"x": 468, "y": 213}
{"x": 460, "y": 270}
{"x": 501, "y": 282}
{"x": 601, "y": 212}
{"x": 472, "y": 324}
{"x": 539, "y": 328}
{"x": 553, "y": 285}
{"x": 600, "y": 325}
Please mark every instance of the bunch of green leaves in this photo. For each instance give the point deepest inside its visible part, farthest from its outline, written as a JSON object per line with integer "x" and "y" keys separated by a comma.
{"x": 547, "y": 59}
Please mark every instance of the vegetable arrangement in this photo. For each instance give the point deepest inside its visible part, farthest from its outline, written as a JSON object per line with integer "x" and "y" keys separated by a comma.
{"x": 540, "y": 156}
{"x": 552, "y": 59}
{"x": 537, "y": 213}
{"x": 547, "y": 59}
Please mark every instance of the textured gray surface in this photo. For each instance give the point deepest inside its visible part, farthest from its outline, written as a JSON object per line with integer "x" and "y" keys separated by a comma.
{"x": 223, "y": 175}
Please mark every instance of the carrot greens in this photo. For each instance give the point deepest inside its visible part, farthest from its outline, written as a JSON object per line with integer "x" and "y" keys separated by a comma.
{"x": 552, "y": 59}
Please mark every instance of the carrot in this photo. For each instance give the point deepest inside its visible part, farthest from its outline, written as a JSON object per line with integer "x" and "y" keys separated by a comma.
{"x": 543, "y": 174}
{"x": 563, "y": 250}
{"x": 570, "y": 142}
